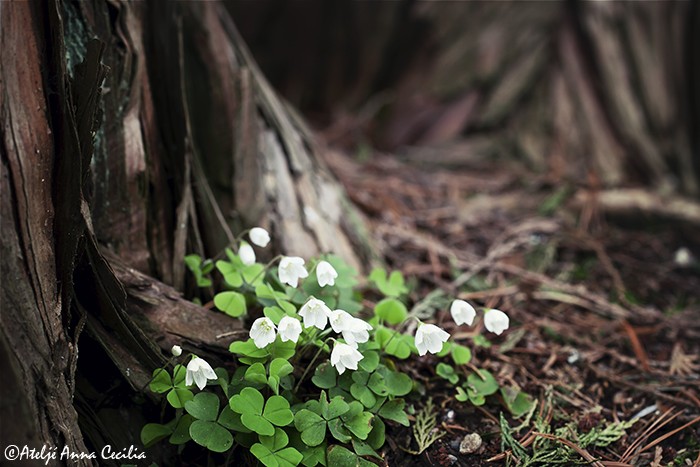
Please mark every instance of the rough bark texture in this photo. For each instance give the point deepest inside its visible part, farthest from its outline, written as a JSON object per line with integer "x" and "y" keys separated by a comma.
{"x": 133, "y": 134}
{"x": 597, "y": 93}
{"x": 37, "y": 337}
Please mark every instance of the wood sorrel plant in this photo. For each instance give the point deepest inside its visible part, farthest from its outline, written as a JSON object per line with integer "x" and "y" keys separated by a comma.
{"x": 314, "y": 383}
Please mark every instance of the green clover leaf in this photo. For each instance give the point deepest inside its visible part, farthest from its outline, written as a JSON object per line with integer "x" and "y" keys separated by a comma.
{"x": 236, "y": 273}
{"x": 256, "y": 374}
{"x": 199, "y": 269}
{"x": 181, "y": 433}
{"x": 461, "y": 355}
{"x": 277, "y": 411}
{"x": 370, "y": 362}
{"x": 482, "y": 383}
{"x": 394, "y": 410}
{"x": 363, "y": 394}
{"x": 312, "y": 420}
{"x": 161, "y": 381}
{"x": 377, "y": 436}
{"x": 178, "y": 397}
{"x": 340, "y": 456}
{"x": 461, "y": 396}
{"x": 325, "y": 376}
{"x": 393, "y": 286}
{"x": 231, "y": 303}
{"x": 258, "y": 415}
{"x": 397, "y": 383}
{"x": 211, "y": 435}
{"x": 271, "y": 451}
{"x": 232, "y": 420}
{"x": 445, "y": 371}
{"x": 357, "y": 421}
{"x": 518, "y": 402}
{"x": 311, "y": 426}
{"x": 151, "y": 433}
{"x": 204, "y": 406}
{"x": 391, "y": 310}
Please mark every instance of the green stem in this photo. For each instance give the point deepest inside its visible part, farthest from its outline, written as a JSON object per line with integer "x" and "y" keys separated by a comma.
{"x": 233, "y": 246}
{"x": 308, "y": 367}
{"x": 267, "y": 266}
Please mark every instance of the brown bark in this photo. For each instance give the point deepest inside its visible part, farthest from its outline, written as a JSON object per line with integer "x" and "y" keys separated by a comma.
{"x": 593, "y": 93}
{"x": 38, "y": 343}
{"x": 133, "y": 134}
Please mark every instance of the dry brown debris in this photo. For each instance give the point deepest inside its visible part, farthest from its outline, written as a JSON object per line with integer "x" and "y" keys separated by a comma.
{"x": 603, "y": 316}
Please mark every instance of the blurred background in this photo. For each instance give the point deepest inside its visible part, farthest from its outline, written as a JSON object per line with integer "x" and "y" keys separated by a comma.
{"x": 595, "y": 92}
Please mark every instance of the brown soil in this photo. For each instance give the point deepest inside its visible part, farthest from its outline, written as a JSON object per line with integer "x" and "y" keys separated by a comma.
{"x": 604, "y": 309}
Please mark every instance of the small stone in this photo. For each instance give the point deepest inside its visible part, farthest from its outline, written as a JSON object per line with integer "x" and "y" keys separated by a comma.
{"x": 683, "y": 257}
{"x": 470, "y": 444}
{"x": 451, "y": 459}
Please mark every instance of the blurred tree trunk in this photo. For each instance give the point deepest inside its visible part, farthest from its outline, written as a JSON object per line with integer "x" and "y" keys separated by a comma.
{"x": 133, "y": 133}
{"x": 591, "y": 92}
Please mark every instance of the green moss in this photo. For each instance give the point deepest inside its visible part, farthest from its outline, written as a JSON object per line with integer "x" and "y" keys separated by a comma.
{"x": 75, "y": 36}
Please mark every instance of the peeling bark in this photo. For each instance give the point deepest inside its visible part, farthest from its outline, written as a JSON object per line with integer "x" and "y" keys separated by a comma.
{"x": 133, "y": 134}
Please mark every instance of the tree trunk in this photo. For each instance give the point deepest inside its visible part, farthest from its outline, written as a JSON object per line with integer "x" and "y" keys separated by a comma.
{"x": 594, "y": 93}
{"x": 133, "y": 134}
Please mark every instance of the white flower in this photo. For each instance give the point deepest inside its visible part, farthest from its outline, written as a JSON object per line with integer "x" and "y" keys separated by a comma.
{"x": 462, "y": 312}
{"x": 358, "y": 332}
{"x": 259, "y": 236}
{"x": 176, "y": 350}
{"x": 354, "y": 330}
{"x": 289, "y": 329}
{"x": 496, "y": 321}
{"x": 199, "y": 371}
{"x": 345, "y": 357}
{"x": 325, "y": 273}
{"x": 246, "y": 253}
{"x": 262, "y": 332}
{"x": 429, "y": 338}
{"x": 291, "y": 269}
{"x": 315, "y": 313}
{"x": 340, "y": 320}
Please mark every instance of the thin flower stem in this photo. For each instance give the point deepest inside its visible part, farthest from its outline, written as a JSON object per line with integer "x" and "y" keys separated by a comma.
{"x": 267, "y": 266}
{"x": 233, "y": 245}
{"x": 397, "y": 332}
{"x": 308, "y": 367}
{"x": 296, "y": 290}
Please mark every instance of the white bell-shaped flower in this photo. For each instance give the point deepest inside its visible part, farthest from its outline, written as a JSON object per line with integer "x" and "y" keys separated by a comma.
{"x": 199, "y": 371}
{"x": 315, "y": 313}
{"x": 176, "y": 350}
{"x": 357, "y": 333}
{"x": 263, "y": 332}
{"x": 340, "y": 320}
{"x": 259, "y": 236}
{"x": 430, "y": 338}
{"x": 291, "y": 269}
{"x": 496, "y": 321}
{"x": 462, "y": 312}
{"x": 354, "y": 330}
{"x": 325, "y": 274}
{"x": 246, "y": 253}
{"x": 345, "y": 357}
{"x": 289, "y": 329}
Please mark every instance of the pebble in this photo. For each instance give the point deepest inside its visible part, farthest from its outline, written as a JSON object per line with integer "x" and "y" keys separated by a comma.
{"x": 470, "y": 444}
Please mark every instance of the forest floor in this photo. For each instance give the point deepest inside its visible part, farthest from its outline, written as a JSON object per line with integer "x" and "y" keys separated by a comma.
{"x": 604, "y": 310}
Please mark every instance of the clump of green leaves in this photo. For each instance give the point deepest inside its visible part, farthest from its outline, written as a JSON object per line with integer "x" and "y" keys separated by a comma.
{"x": 286, "y": 402}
